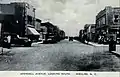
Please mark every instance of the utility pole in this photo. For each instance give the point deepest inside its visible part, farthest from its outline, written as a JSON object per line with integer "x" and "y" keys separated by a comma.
{"x": 1, "y": 36}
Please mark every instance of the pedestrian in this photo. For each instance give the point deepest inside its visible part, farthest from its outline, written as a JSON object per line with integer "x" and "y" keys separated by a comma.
{"x": 9, "y": 40}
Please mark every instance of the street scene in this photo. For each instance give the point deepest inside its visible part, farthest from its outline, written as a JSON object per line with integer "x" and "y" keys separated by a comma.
{"x": 53, "y": 40}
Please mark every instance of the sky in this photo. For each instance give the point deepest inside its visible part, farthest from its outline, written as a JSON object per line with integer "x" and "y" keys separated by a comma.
{"x": 69, "y": 15}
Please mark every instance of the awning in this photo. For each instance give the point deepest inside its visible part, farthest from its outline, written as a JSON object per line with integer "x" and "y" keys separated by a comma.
{"x": 32, "y": 31}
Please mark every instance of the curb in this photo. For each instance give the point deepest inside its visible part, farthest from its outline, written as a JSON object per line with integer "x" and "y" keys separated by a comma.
{"x": 93, "y": 44}
{"x": 115, "y": 53}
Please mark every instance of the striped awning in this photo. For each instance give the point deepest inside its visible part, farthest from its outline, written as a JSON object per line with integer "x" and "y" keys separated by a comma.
{"x": 32, "y": 31}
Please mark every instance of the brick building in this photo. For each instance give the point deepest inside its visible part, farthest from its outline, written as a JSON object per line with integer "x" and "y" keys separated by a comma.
{"x": 108, "y": 24}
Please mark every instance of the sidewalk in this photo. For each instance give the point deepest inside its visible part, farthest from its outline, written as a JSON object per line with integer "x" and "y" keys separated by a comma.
{"x": 96, "y": 44}
{"x": 117, "y": 52}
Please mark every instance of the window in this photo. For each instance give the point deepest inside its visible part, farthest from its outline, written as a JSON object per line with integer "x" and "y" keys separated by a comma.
{"x": 116, "y": 19}
{"x": 99, "y": 23}
{"x": 103, "y": 20}
{"x": 30, "y": 20}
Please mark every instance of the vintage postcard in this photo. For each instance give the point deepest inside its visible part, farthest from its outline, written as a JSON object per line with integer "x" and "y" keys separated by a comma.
{"x": 79, "y": 37}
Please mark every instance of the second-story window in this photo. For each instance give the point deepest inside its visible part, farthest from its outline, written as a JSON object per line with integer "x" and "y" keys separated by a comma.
{"x": 116, "y": 19}
{"x": 30, "y": 20}
{"x": 103, "y": 20}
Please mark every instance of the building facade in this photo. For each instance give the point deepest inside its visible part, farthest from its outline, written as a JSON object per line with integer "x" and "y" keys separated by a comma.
{"x": 108, "y": 24}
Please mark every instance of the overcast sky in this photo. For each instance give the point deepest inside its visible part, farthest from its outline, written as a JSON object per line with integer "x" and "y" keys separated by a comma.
{"x": 69, "y": 15}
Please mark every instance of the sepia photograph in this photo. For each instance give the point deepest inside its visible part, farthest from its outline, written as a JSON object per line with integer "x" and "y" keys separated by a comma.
{"x": 60, "y": 35}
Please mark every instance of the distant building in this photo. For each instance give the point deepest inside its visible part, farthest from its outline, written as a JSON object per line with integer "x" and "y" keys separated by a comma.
{"x": 89, "y": 31}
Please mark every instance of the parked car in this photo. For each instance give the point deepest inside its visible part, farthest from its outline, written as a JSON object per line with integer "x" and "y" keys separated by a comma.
{"x": 70, "y": 38}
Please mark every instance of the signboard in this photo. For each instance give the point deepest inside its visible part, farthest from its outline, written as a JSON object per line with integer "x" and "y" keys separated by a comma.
{"x": 7, "y": 9}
